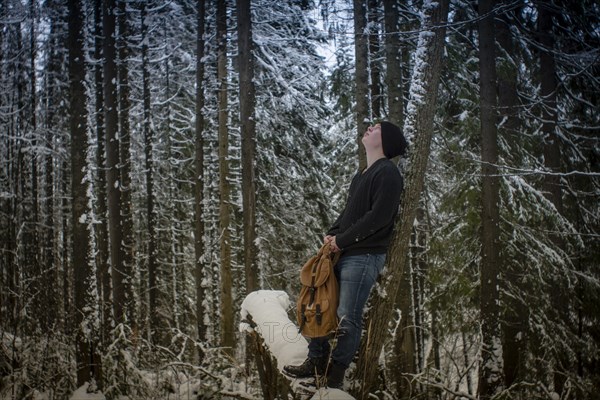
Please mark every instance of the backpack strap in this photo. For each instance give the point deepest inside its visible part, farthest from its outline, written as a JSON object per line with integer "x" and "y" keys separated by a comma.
{"x": 304, "y": 319}
{"x": 319, "y": 315}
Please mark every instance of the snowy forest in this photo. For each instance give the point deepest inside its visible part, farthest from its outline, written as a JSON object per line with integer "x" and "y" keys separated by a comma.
{"x": 163, "y": 159}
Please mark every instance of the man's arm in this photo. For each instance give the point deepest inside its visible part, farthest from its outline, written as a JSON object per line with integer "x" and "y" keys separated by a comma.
{"x": 335, "y": 228}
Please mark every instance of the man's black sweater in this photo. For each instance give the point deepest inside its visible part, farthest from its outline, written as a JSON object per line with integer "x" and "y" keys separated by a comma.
{"x": 367, "y": 222}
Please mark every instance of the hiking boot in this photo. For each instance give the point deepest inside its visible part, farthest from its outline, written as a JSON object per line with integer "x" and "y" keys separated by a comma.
{"x": 310, "y": 367}
{"x": 335, "y": 376}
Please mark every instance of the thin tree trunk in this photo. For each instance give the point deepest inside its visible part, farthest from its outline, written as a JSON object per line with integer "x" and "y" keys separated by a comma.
{"x": 490, "y": 371}
{"x": 199, "y": 247}
{"x": 101, "y": 226}
{"x": 32, "y": 239}
{"x": 66, "y": 262}
{"x": 50, "y": 277}
{"x": 176, "y": 311}
{"x": 420, "y": 280}
{"x": 374, "y": 59}
{"x": 466, "y": 363}
{"x": 548, "y": 88}
{"x": 361, "y": 78}
{"x": 88, "y": 359}
{"x": 26, "y": 174}
{"x": 514, "y": 319}
{"x": 170, "y": 231}
{"x": 403, "y": 362}
{"x": 125, "y": 165}
{"x": 247, "y": 94}
{"x": 9, "y": 247}
{"x": 247, "y": 117}
{"x": 227, "y": 333}
{"x": 21, "y": 263}
{"x": 53, "y": 94}
{"x": 5, "y": 204}
{"x": 149, "y": 164}
{"x": 393, "y": 57}
{"x": 434, "y": 359}
{"x": 112, "y": 162}
{"x": 404, "y": 358}
{"x": 419, "y": 131}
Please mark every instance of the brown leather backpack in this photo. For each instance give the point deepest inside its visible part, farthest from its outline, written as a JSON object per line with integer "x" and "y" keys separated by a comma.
{"x": 316, "y": 308}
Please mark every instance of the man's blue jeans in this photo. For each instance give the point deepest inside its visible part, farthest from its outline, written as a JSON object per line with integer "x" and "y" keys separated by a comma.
{"x": 356, "y": 276}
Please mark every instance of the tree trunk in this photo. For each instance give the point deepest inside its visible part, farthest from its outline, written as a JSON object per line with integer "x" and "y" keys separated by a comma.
{"x": 50, "y": 277}
{"x": 52, "y": 100}
{"x": 404, "y": 357}
{"x": 361, "y": 78}
{"x": 466, "y": 363}
{"x": 66, "y": 261}
{"x": 434, "y": 358}
{"x": 247, "y": 118}
{"x": 549, "y": 115}
{"x": 374, "y": 60}
{"x": 5, "y": 204}
{"x": 21, "y": 263}
{"x": 403, "y": 362}
{"x": 514, "y": 319}
{"x": 393, "y": 56}
{"x": 418, "y": 128}
{"x": 88, "y": 360}
{"x": 112, "y": 161}
{"x": 490, "y": 371}
{"x": 227, "y": 333}
{"x": 408, "y": 301}
{"x": 420, "y": 272}
{"x": 149, "y": 164}
{"x": 101, "y": 226}
{"x": 125, "y": 166}
{"x": 9, "y": 293}
{"x": 32, "y": 244}
{"x": 170, "y": 208}
{"x": 552, "y": 161}
{"x": 247, "y": 95}
{"x": 199, "y": 247}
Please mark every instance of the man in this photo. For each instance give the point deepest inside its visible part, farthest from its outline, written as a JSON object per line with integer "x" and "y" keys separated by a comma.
{"x": 362, "y": 234}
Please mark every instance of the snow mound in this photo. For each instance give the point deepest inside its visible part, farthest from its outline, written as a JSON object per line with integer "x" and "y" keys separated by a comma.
{"x": 268, "y": 309}
{"x": 82, "y": 394}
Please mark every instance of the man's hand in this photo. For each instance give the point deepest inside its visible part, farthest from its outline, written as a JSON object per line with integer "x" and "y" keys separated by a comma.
{"x": 331, "y": 240}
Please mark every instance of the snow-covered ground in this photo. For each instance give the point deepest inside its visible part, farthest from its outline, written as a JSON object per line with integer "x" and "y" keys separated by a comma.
{"x": 269, "y": 311}
{"x": 82, "y": 394}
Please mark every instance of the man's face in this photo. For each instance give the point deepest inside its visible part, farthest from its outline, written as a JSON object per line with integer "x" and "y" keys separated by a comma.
{"x": 372, "y": 137}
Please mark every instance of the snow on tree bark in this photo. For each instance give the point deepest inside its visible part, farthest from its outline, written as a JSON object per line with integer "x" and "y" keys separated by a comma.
{"x": 226, "y": 285}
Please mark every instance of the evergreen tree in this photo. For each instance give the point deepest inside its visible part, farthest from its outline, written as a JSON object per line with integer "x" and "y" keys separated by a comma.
{"x": 86, "y": 318}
